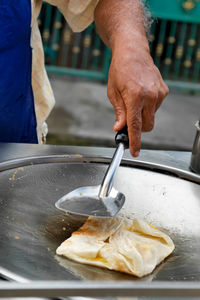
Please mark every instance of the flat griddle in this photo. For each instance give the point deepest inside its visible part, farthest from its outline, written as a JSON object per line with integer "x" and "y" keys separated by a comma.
{"x": 32, "y": 228}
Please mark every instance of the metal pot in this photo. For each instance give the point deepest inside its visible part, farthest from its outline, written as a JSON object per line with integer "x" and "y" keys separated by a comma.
{"x": 195, "y": 160}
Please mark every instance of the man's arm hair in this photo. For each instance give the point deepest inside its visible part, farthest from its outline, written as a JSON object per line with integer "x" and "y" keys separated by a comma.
{"x": 148, "y": 20}
{"x": 115, "y": 18}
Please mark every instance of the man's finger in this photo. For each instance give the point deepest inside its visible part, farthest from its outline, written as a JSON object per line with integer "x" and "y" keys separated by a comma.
{"x": 148, "y": 118}
{"x": 163, "y": 92}
{"x": 134, "y": 123}
{"x": 120, "y": 110}
{"x": 148, "y": 112}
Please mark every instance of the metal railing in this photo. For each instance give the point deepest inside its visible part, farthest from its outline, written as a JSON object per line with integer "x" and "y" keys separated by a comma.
{"x": 77, "y": 54}
{"x": 174, "y": 44}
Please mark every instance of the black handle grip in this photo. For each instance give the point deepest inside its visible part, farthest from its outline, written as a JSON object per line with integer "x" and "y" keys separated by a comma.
{"x": 122, "y": 137}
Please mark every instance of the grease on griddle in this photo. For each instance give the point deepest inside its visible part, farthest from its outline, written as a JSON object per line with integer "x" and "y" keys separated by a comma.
{"x": 15, "y": 173}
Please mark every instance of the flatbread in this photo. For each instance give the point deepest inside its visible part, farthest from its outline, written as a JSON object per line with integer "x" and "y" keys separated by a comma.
{"x": 131, "y": 246}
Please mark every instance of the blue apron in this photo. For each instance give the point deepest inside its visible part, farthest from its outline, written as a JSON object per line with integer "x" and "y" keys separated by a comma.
{"x": 17, "y": 113}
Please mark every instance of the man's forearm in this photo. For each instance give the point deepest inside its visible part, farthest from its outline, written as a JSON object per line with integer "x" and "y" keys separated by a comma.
{"x": 121, "y": 20}
{"x": 135, "y": 86}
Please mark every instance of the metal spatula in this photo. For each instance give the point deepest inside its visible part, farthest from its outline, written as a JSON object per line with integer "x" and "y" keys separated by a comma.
{"x": 103, "y": 200}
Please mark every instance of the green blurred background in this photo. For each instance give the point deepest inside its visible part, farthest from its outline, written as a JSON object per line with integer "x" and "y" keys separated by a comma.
{"x": 174, "y": 43}
{"x": 78, "y": 65}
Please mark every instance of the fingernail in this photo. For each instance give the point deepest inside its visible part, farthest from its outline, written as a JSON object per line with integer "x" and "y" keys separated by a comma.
{"x": 137, "y": 153}
{"x": 116, "y": 125}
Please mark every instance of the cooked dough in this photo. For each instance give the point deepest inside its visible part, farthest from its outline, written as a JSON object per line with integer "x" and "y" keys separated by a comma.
{"x": 131, "y": 246}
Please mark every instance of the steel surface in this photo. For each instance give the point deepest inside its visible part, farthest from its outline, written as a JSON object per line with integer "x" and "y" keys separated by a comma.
{"x": 102, "y": 289}
{"x": 32, "y": 228}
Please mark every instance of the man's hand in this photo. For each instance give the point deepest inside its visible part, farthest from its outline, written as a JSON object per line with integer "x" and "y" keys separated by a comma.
{"x": 136, "y": 90}
{"x": 135, "y": 86}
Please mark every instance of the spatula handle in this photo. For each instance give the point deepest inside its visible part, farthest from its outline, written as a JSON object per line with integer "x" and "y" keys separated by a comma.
{"x": 108, "y": 179}
{"x": 122, "y": 137}
{"x": 122, "y": 141}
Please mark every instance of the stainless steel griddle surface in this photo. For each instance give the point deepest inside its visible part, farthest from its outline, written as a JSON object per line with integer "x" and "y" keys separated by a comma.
{"x": 32, "y": 228}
